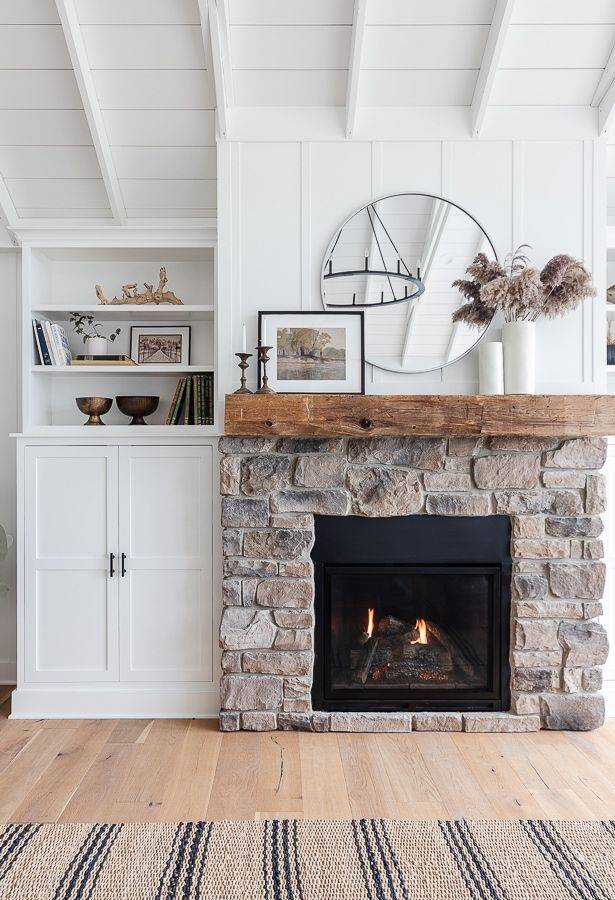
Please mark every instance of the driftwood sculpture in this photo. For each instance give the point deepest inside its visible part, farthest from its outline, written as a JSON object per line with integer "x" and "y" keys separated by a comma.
{"x": 130, "y": 294}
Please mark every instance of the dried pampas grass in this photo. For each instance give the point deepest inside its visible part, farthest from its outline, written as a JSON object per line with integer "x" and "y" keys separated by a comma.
{"x": 519, "y": 291}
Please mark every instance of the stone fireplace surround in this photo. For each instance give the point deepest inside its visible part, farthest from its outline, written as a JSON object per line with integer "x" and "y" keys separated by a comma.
{"x": 553, "y": 492}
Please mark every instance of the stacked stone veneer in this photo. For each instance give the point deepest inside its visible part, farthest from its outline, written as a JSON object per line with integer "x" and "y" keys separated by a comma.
{"x": 550, "y": 488}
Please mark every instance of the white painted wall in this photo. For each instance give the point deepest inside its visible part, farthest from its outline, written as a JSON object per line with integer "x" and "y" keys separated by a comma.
{"x": 281, "y": 201}
{"x": 9, "y": 342}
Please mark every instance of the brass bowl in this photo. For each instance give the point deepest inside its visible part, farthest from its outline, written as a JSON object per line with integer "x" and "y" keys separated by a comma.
{"x": 94, "y": 407}
{"x": 137, "y": 407}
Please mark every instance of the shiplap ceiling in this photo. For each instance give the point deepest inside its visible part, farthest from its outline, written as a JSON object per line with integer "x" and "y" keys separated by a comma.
{"x": 108, "y": 107}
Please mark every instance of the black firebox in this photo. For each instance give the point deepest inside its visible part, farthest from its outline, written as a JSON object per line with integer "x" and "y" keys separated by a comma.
{"x": 412, "y": 613}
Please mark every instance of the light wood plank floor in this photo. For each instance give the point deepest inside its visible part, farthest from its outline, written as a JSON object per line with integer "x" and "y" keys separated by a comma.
{"x": 173, "y": 770}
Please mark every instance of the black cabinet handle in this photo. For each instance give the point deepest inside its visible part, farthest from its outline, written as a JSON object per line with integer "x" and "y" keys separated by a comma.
{"x": 123, "y": 570}
{"x": 111, "y": 567}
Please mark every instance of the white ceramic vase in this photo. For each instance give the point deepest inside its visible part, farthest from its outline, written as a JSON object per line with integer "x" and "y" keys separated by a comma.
{"x": 491, "y": 368}
{"x": 519, "y": 342}
{"x": 96, "y": 346}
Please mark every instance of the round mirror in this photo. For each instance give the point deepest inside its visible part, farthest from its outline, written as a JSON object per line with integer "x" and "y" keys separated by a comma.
{"x": 396, "y": 259}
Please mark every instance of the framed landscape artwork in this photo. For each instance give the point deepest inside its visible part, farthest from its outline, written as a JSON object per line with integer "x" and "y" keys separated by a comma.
{"x": 316, "y": 352}
{"x": 160, "y": 345}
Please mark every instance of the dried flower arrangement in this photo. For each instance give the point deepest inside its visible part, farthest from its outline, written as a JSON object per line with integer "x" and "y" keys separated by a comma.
{"x": 520, "y": 291}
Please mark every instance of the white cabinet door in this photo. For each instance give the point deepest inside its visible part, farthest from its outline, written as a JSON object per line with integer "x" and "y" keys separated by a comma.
{"x": 166, "y": 536}
{"x": 71, "y": 613}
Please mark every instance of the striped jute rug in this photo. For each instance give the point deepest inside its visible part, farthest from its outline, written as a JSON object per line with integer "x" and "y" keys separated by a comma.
{"x": 368, "y": 859}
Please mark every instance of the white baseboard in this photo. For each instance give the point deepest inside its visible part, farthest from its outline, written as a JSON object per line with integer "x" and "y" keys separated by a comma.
{"x": 8, "y": 671}
{"x": 115, "y": 703}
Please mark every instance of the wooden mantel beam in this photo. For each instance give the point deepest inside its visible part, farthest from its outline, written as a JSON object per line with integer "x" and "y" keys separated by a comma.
{"x": 353, "y": 415}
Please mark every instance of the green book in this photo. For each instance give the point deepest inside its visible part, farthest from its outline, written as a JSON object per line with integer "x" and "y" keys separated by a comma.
{"x": 178, "y": 388}
{"x": 188, "y": 401}
{"x": 180, "y": 401}
{"x": 198, "y": 417}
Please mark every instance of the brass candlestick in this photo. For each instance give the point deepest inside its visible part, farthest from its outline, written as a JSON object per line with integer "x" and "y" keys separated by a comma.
{"x": 243, "y": 365}
{"x": 263, "y": 360}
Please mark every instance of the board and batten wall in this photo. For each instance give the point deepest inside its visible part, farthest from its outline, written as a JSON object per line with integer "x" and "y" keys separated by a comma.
{"x": 10, "y": 262}
{"x": 280, "y": 203}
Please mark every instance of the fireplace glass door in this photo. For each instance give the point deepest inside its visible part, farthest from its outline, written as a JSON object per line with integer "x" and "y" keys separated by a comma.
{"x": 420, "y": 631}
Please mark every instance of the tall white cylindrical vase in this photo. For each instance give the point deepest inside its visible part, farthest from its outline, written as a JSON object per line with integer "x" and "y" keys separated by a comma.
{"x": 519, "y": 340}
{"x": 491, "y": 368}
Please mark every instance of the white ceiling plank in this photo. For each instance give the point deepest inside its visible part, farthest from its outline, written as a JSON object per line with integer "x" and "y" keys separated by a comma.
{"x": 424, "y": 47}
{"x": 544, "y": 87}
{"x": 606, "y": 110}
{"x": 354, "y": 65}
{"x": 418, "y": 12}
{"x": 417, "y": 87}
{"x": 214, "y": 25}
{"x": 154, "y": 89}
{"x": 77, "y": 193}
{"x": 49, "y": 162}
{"x": 563, "y": 12}
{"x": 299, "y": 47}
{"x": 39, "y": 89}
{"x": 173, "y": 216}
{"x": 160, "y": 128}
{"x": 416, "y": 123}
{"x": 163, "y": 162}
{"x": 137, "y": 12}
{"x": 33, "y": 47}
{"x": 295, "y": 87}
{"x": 78, "y": 54}
{"x": 28, "y": 12}
{"x": 170, "y": 194}
{"x": 46, "y": 127}
{"x": 606, "y": 79}
{"x": 30, "y": 213}
{"x": 290, "y": 12}
{"x": 557, "y": 46}
{"x": 144, "y": 46}
{"x": 490, "y": 62}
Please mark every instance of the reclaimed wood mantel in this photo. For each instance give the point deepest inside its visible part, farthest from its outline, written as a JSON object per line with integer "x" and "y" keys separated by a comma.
{"x": 353, "y": 415}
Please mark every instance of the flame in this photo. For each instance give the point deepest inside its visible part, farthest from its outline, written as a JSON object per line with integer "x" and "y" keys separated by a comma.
{"x": 421, "y": 627}
{"x": 370, "y": 622}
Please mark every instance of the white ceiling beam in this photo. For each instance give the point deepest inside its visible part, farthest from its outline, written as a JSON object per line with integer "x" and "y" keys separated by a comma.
{"x": 8, "y": 213}
{"x": 354, "y": 65}
{"x": 606, "y": 110}
{"x": 490, "y": 62}
{"x": 606, "y": 79}
{"x": 216, "y": 39}
{"x": 85, "y": 83}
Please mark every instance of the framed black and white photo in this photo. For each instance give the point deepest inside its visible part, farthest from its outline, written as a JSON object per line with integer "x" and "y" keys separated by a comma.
{"x": 160, "y": 345}
{"x": 313, "y": 352}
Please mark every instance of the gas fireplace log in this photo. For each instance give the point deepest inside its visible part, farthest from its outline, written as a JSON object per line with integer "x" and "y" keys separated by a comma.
{"x": 456, "y": 654}
{"x": 370, "y": 649}
{"x": 390, "y": 626}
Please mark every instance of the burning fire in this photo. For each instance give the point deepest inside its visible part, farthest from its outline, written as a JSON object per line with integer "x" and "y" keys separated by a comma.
{"x": 370, "y": 622}
{"x": 421, "y": 627}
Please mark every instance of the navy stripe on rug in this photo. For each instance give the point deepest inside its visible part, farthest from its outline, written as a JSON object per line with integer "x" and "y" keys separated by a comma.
{"x": 15, "y": 839}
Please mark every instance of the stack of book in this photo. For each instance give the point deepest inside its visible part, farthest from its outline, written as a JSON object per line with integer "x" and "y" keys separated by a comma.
{"x": 193, "y": 401}
{"x": 50, "y": 344}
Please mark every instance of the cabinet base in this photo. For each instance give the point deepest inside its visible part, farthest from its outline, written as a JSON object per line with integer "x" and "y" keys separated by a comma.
{"x": 115, "y": 703}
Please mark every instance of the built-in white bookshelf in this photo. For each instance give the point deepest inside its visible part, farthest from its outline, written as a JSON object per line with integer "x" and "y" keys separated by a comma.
{"x": 59, "y": 280}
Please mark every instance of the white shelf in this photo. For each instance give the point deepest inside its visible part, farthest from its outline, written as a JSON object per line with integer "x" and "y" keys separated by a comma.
{"x": 118, "y": 370}
{"x": 132, "y": 431}
{"x": 132, "y": 311}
